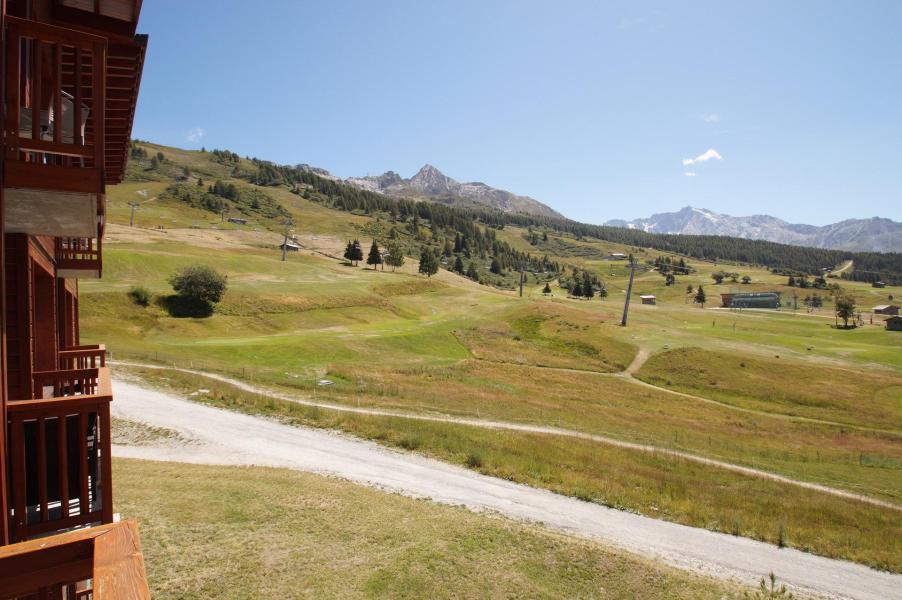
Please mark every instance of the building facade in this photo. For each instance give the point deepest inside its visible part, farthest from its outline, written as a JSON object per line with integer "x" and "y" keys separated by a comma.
{"x": 751, "y": 300}
{"x": 72, "y": 73}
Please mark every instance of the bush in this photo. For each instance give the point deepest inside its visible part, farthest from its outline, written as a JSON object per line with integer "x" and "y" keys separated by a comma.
{"x": 199, "y": 283}
{"x": 474, "y": 461}
{"x": 139, "y": 295}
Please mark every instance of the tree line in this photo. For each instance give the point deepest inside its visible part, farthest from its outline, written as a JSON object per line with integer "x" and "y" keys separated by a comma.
{"x": 869, "y": 266}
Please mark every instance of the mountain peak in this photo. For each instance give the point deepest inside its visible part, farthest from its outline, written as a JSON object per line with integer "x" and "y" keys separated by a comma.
{"x": 430, "y": 183}
{"x": 433, "y": 182}
{"x": 880, "y": 235}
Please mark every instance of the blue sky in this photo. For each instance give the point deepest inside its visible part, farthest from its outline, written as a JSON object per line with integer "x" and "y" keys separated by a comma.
{"x": 595, "y": 108}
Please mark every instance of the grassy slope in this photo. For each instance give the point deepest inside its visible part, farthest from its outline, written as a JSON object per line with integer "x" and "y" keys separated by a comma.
{"x": 648, "y": 483}
{"x": 393, "y": 339}
{"x": 263, "y": 533}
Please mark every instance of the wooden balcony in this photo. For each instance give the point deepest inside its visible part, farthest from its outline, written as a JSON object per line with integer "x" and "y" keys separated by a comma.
{"x": 55, "y": 129}
{"x": 83, "y": 357}
{"x": 101, "y": 563}
{"x": 78, "y": 258}
{"x": 59, "y": 448}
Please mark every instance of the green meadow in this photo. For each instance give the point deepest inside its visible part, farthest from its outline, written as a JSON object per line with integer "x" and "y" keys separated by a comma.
{"x": 783, "y": 391}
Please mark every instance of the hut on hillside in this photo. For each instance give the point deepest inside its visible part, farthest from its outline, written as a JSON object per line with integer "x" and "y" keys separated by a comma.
{"x": 751, "y": 300}
{"x": 894, "y": 323}
{"x": 886, "y": 309}
{"x": 648, "y": 299}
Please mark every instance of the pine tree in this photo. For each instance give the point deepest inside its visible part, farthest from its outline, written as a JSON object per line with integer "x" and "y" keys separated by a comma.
{"x": 588, "y": 287}
{"x": 448, "y": 250}
{"x": 472, "y": 271}
{"x": 689, "y": 289}
{"x": 349, "y": 252}
{"x": 358, "y": 252}
{"x": 395, "y": 255}
{"x": 603, "y": 293}
{"x": 375, "y": 257}
{"x": 496, "y": 267}
{"x": 458, "y": 243}
{"x": 459, "y": 266}
{"x": 428, "y": 262}
{"x": 547, "y": 289}
{"x": 700, "y": 296}
{"x": 576, "y": 290}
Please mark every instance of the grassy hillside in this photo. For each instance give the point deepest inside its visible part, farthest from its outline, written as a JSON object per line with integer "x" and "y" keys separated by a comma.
{"x": 781, "y": 390}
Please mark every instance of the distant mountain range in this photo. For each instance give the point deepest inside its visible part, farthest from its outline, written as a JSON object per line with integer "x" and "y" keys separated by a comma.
{"x": 859, "y": 235}
{"x": 431, "y": 184}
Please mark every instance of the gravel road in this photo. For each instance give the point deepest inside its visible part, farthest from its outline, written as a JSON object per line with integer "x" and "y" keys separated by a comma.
{"x": 228, "y": 438}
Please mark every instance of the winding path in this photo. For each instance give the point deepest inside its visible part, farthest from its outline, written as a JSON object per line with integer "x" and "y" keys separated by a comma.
{"x": 229, "y": 438}
{"x": 526, "y": 428}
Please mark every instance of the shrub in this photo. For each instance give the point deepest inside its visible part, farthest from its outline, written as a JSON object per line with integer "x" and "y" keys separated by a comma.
{"x": 199, "y": 283}
{"x": 768, "y": 590}
{"x": 139, "y": 295}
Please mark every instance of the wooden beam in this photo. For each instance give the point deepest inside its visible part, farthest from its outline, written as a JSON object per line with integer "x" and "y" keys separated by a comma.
{"x": 65, "y": 179}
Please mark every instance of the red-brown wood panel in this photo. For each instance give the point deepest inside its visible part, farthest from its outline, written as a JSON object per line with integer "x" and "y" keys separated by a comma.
{"x": 4, "y": 489}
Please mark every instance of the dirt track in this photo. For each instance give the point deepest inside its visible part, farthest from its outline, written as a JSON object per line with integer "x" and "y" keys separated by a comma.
{"x": 229, "y": 438}
{"x": 524, "y": 427}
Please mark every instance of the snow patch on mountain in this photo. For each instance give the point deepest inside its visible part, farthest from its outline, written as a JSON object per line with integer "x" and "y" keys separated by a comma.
{"x": 860, "y": 235}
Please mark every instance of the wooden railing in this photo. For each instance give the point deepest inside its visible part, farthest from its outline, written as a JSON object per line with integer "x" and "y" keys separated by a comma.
{"x": 55, "y": 87}
{"x": 59, "y": 449}
{"x": 66, "y": 382}
{"x": 80, "y": 254}
{"x": 100, "y": 563}
{"x": 83, "y": 357}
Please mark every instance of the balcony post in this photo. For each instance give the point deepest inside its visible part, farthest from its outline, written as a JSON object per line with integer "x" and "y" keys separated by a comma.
{"x": 106, "y": 462}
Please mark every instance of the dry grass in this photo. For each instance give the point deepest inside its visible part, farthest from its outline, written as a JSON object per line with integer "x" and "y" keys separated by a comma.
{"x": 232, "y": 532}
{"x": 862, "y": 461}
{"x": 549, "y": 335}
{"x": 654, "y": 485}
{"x": 867, "y": 397}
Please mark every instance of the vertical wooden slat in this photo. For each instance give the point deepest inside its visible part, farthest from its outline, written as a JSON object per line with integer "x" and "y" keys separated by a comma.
{"x": 98, "y": 102}
{"x": 17, "y": 464}
{"x": 42, "y": 468}
{"x": 106, "y": 461}
{"x": 83, "y": 501}
{"x": 36, "y": 89}
{"x": 13, "y": 105}
{"x": 63, "y": 460}
{"x": 58, "y": 94}
{"x": 76, "y": 116}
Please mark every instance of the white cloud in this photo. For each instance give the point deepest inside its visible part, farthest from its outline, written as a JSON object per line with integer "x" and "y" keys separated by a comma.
{"x": 631, "y": 22}
{"x": 711, "y": 118}
{"x": 711, "y": 153}
{"x": 690, "y": 174}
{"x": 649, "y": 21}
{"x": 195, "y": 134}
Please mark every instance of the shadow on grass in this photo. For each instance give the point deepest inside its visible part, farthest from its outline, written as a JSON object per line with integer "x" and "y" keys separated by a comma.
{"x": 182, "y": 307}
